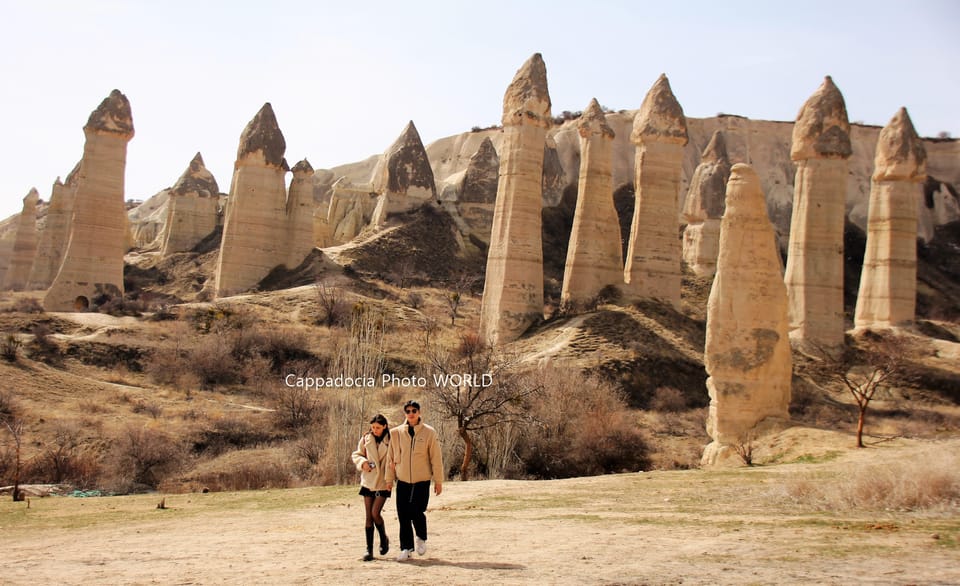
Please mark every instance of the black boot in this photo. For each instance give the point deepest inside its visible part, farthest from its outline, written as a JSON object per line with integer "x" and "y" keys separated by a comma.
{"x": 369, "y": 555}
{"x": 384, "y": 540}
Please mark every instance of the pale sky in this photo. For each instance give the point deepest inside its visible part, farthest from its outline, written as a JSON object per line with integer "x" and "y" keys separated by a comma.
{"x": 345, "y": 77}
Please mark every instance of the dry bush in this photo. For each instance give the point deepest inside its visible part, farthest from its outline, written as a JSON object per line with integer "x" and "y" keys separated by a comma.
{"x": 344, "y": 424}
{"x": 583, "y": 427}
{"x": 165, "y": 365}
{"x": 143, "y": 456}
{"x": 334, "y": 308}
{"x": 92, "y": 406}
{"x": 26, "y": 305}
{"x": 231, "y": 432}
{"x": 668, "y": 399}
{"x": 9, "y": 408}
{"x": 150, "y": 408}
{"x": 213, "y": 363}
{"x": 9, "y": 347}
{"x": 249, "y": 476}
{"x": 928, "y": 483}
{"x": 66, "y": 458}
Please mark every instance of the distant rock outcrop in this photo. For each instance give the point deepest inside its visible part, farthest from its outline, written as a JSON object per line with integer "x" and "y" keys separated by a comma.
{"x": 24, "y": 244}
{"x": 747, "y": 351}
{"x": 594, "y": 255}
{"x": 652, "y": 269}
{"x": 255, "y": 218}
{"x": 888, "y": 283}
{"x": 704, "y": 206}
{"x": 814, "y": 271}
{"x": 192, "y": 209}
{"x": 92, "y": 267}
{"x": 56, "y": 231}
{"x": 513, "y": 290}
{"x": 476, "y": 191}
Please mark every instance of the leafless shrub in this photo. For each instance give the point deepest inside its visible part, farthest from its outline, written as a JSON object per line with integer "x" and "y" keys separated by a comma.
{"x": 668, "y": 399}
{"x": 28, "y": 305}
{"x": 9, "y": 347}
{"x": 150, "y": 408}
{"x": 66, "y": 458}
{"x": 744, "y": 448}
{"x": 249, "y": 476}
{"x": 414, "y": 300}
{"x": 334, "y": 309}
{"x": 165, "y": 365}
{"x": 296, "y": 407}
{"x": 143, "y": 456}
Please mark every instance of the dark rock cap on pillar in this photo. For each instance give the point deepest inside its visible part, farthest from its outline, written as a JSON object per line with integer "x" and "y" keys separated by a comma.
{"x": 197, "y": 179}
{"x": 527, "y": 100}
{"x": 113, "y": 116}
{"x": 900, "y": 152}
{"x": 822, "y": 129}
{"x": 660, "y": 118}
{"x": 263, "y": 134}
{"x": 594, "y": 121}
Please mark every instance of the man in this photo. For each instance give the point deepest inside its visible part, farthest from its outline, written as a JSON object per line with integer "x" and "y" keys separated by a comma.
{"x": 415, "y": 460}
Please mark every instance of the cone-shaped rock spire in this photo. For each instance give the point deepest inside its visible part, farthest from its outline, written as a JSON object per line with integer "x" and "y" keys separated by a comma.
{"x": 112, "y": 115}
{"x": 191, "y": 209}
{"x": 24, "y": 244}
{"x": 814, "y": 271}
{"x": 704, "y": 206}
{"x": 594, "y": 256}
{"x": 513, "y": 290}
{"x": 888, "y": 283}
{"x": 747, "y": 351}
{"x": 652, "y": 269}
{"x": 197, "y": 179}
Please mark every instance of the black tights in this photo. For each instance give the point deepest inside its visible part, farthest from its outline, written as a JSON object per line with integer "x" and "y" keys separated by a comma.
{"x": 373, "y": 506}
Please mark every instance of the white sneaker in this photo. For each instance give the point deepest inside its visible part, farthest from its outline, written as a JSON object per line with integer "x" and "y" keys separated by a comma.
{"x": 421, "y": 546}
{"x": 404, "y": 555}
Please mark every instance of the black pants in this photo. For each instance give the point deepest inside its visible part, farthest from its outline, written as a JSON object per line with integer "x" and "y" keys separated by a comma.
{"x": 412, "y": 502}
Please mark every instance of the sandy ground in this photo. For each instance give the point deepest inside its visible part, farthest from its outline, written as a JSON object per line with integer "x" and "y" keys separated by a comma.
{"x": 680, "y": 527}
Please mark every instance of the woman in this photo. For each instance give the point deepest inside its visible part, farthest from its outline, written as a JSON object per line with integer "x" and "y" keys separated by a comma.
{"x": 370, "y": 458}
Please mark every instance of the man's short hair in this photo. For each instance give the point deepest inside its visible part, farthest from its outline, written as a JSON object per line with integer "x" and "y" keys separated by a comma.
{"x": 411, "y": 403}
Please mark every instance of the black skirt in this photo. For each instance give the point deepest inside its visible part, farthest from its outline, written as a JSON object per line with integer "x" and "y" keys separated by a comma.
{"x": 364, "y": 491}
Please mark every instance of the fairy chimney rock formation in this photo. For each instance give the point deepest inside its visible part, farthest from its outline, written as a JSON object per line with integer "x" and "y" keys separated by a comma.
{"x": 704, "y": 207}
{"x": 24, "y": 244}
{"x": 747, "y": 352}
{"x": 255, "y": 218}
{"x": 92, "y": 267}
{"x": 594, "y": 257}
{"x": 191, "y": 209}
{"x": 403, "y": 176}
{"x": 652, "y": 269}
{"x": 56, "y": 232}
{"x": 888, "y": 283}
{"x": 513, "y": 289}
{"x": 814, "y": 271}
{"x": 300, "y": 209}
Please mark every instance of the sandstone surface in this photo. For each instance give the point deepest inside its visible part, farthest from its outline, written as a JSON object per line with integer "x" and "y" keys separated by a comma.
{"x": 513, "y": 289}
{"x": 191, "y": 210}
{"x": 594, "y": 255}
{"x": 704, "y": 206}
{"x": 652, "y": 269}
{"x": 56, "y": 231}
{"x": 24, "y": 244}
{"x": 300, "y": 210}
{"x": 255, "y": 217}
{"x": 888, "y": 282}
{"x": 92, "y": 267}
{"x": 747, "y": 350}
{"x": 814, "y": 271}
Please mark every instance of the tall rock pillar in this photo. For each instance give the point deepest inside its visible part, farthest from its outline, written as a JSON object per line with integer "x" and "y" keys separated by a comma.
{"x": 191, "y": 210}
{"x": 814, "y": 272}
{"x": 56, "y": 232}
{"x": 300, "y": 210}
{"x": 92, "y": 267}
{"x": 888, "y": 283}
{"x": 24, "y": 244}
{"x": 513, "y": 290}
{"x": 253, "y": 230}
{"x": 594, "y": 256}
{"x": 747, "y": 352}
{"x": 652, "y": 269}
{"x": 704, "y": 207}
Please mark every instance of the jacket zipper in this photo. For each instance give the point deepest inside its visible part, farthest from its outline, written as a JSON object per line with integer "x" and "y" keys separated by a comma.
{"x": 411, "y": 464}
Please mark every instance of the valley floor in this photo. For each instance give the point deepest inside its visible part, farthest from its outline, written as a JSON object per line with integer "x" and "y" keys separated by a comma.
{"x": 677, "y": 527}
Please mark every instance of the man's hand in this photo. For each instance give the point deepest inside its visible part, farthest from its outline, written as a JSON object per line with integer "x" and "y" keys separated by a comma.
{"x": 437, "y": 488}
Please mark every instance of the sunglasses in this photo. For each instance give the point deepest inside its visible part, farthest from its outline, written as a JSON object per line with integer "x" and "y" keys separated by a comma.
{"x": 410, "y": 410}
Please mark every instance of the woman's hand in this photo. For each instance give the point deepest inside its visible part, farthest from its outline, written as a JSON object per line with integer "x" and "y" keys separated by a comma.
{"x": 367, "y": 467}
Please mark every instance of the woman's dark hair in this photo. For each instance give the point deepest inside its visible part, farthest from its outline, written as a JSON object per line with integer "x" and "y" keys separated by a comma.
{"x": 379, "y": 418}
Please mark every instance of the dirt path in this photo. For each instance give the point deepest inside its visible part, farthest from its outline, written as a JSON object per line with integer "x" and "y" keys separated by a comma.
{"x": 687, "y": 527}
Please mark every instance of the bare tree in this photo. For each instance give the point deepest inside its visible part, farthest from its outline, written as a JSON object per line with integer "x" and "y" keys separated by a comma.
{"x": 866, "y": 371}
{"x": 332, "y": 304}
{"x": 459, "y": 286}
{"x": 15, "y": 427}
{"x": 478, "y": 389}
